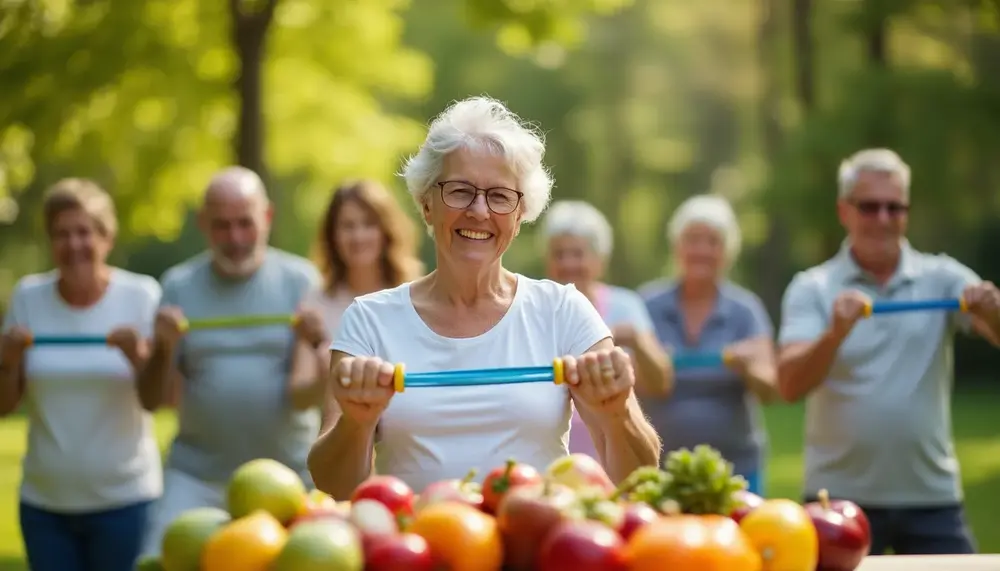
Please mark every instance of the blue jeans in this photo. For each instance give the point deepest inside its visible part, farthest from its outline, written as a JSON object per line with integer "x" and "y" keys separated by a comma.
{"x": 935, "y": 530}
{"x": 106, "y": 540}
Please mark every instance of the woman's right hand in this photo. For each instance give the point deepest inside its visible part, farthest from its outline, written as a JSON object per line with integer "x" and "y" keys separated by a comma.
{"x": 13, "y": 344}
{"x": 363, "y": 388}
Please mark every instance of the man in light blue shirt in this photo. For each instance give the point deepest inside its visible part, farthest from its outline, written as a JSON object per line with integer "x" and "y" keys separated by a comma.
{"x": 244, "y": 393}
{"x": 878, "y": 390}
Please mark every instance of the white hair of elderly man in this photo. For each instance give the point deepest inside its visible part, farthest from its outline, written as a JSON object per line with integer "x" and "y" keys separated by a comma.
{"x": 581, "y": 219}
{"x": 484, "y": 124}
{"x": 713, "y": 211}
{"x": 885, "y": 161}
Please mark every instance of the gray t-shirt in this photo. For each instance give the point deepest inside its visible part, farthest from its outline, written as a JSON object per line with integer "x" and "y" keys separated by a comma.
{"x": 709, "y": 405}
{"x": 234, "y": 404}
{"x": 878, "y": 429}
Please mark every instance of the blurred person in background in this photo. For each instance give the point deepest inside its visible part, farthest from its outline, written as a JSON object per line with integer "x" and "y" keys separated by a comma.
{"x": 478, "y": 176}
{"x": 578, "y": 241}
{"x": 366, "y": 243}
{"x": 244, "y": 394}
{"x": 701, "y": 311}
{"x": 92, "y": 466}
{"x": 878, "y": 390}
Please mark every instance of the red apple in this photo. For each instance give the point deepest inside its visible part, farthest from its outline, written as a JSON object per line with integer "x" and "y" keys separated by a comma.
{"x": 843, "y": 530}
{"x": 502, "y": 480}
{"x": 463, "y": 491}
{"x": 582, "y": 546}
{"x": 392, "y": 492}
{"x": 526, "y": 515}
{"x": 579, "y": 471}
{"x": 636, "y": 516}
{"x": 403, "y": 552}
{"x": 746, "y": 502}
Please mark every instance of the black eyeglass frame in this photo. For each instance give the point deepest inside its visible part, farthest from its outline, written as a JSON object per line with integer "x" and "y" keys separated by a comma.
{"x": 874, "y": 207}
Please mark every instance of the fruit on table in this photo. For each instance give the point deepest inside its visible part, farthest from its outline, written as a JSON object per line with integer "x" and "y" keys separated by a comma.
{"x": 843, "y": 530}
{"x": 268, "y": 485}
{"x": 783, "y": 534}
{"x": 525, "y": 517}
{"x": 184, "y": 539}
{"x": 390, "y": 490}
{"x": 597, "y": 506}
{"x": 321, "y": 544}
{"x": 372, "y": 519}
{"x": 691, "y": 543}
{"x": 464, "y": 491}
{"x": 582, "y": 545}
{"x": 501, "y": 480}
{"x": 250, "y": 543}
{"x": 403, "y": 552}
{"x": 745, "y": 502}
{"x": 635, "y": 516}
{"x": 578, "y": 471}
{"x": 461, "y": 538}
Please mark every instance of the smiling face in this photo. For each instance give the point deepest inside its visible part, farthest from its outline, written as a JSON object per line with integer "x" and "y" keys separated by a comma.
{"x": 474, "y": 234}
{"x": 572, "y": 260}
{"x": 875, "y": 215}
{"x": 79, "y": 247}
{"x": 237, "y": 226}
{"x": 357, "y": 235}
{"x": 701, "y": 252}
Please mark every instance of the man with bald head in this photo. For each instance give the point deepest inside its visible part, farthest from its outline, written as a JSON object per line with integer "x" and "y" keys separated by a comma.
{"x": 244, "y": 393}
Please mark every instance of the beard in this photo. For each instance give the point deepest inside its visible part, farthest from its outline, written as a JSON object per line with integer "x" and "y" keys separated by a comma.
{"x": 238, "y": 262}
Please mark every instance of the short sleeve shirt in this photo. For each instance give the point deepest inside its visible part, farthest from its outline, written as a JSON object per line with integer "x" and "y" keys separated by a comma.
{"x": 709, "y": 405}
{"x": 435, "y": 433}
{"x": 878, "y": 429}
{"x": 234, "y": 405}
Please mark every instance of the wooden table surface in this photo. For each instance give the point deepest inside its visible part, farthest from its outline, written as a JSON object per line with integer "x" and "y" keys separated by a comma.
{"x": 931, "y": 563}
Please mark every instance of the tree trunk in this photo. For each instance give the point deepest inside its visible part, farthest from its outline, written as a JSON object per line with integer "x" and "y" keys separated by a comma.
{"x": 249, "y": 35}
{"x": 773, "y": 257}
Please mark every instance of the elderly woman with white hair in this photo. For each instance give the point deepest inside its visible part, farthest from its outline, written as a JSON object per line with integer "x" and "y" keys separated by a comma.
{"x": 701, "y": 311}
{"x": 578, "y": 240}
{"x": 478, "y": 176}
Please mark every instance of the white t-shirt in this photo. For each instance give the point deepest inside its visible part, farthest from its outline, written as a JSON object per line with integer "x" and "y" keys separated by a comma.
{"x": 430, "y": 434}
{"x": 90, "y": 443}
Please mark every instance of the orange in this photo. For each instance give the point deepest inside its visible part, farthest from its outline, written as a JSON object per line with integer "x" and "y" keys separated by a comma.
{"x": 691, "y": 543}
{"x": 250, "y": 543}
{"x": 461, "y": 537}
{"x": 784, "y": 535}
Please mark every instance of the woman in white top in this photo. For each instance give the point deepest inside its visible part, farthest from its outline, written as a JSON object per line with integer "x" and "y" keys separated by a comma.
{"x": 476, "y": 179}
{"x": 577, "y": 240}
{"x": 92, "y": 465}
{"x": 366, "y": 243}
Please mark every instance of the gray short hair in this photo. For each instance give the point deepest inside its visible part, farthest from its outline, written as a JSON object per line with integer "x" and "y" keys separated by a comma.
{"x": 581, "y": 219}
{"x": 483, "y": 123}
{"x": 713, "y": 211}
{"x": 872, "y": 160}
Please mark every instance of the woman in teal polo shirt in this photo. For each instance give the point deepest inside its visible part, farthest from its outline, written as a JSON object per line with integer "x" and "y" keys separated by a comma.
{"x": 701, "y": 311}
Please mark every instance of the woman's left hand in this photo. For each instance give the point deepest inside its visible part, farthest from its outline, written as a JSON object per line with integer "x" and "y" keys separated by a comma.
{"x": 601, "y": 380}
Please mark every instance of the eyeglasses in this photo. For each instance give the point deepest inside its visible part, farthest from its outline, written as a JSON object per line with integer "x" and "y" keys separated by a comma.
{"x": 459, "y": 194}
{"x": 874, "y": 207}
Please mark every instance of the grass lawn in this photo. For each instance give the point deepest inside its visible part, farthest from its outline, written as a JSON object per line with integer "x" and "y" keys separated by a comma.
{"x": 976, "y": 430}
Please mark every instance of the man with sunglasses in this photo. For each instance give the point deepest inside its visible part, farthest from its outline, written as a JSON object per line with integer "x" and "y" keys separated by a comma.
{"x": 878, "y": 391}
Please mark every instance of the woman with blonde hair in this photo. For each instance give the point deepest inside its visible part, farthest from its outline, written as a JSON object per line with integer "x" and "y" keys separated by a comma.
{"x": 92, "y": 466}
{"x": 701, "y": 311}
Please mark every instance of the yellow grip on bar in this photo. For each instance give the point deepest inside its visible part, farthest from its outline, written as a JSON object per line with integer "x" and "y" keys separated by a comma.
{"x": 868, "y": 309}
{"x": 399, "y": 378}
{"x": 963, "y": 305}
{"x": 558, "y": 373}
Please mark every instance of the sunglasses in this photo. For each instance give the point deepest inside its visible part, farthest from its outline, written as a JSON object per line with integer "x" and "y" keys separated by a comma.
{"x": 874, "y": 207}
